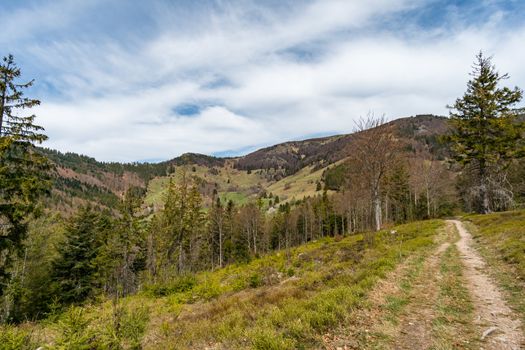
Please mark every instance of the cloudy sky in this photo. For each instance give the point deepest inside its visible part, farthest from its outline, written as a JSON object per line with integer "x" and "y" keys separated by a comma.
{"x": 148, "y": 80}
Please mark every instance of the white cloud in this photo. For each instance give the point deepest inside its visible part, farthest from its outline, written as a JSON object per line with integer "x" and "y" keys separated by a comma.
{"x": 143, "y": 126}
{"x": 299, "y": 70}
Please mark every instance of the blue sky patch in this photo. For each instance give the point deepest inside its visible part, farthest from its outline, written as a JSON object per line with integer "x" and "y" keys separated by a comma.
{"x": 187, "y": 109}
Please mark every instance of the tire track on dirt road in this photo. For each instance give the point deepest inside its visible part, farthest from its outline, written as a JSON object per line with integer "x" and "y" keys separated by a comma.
{"x": 499, "y": 326}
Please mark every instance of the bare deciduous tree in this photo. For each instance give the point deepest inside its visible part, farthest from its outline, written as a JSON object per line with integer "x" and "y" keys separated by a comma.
{"x": 375, "y": 151}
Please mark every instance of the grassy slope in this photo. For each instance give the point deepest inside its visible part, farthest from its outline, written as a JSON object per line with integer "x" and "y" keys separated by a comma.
{"x": 240, "y": 187}
{"x": 500, "y": 238}
{"x": 299, "y": 185}
{"x": 285, "y": 300}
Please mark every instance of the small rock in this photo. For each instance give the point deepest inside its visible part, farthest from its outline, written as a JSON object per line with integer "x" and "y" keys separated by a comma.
{"x": 488, "y": 332}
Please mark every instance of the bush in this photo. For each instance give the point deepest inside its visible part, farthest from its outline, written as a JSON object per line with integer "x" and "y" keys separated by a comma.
{"x": 12, "y": 338}
{"x": 74, "y": 330}
{"x": 133, "y": 326}
{"x": 119, "y": 327}
{"x": 255, "y": 280}
{"x": 207, "y": 289}
{"x": 178, "y": 284}
{"x": 268, "y": 340}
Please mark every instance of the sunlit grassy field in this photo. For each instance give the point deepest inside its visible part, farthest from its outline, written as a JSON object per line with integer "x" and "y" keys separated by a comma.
{"x": 298, "y": 185}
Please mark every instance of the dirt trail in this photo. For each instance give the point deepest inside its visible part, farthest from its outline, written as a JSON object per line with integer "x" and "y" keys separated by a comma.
{"x": 498, "y": 325}
{"x": 412, "y": 327}
{"x": 416, "y": 323}
{"x": 375, "y": 327}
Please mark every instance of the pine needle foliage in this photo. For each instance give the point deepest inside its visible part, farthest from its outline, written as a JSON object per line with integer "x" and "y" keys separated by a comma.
{"x": 23, "y": 170}
{"x": 486, "y": 133}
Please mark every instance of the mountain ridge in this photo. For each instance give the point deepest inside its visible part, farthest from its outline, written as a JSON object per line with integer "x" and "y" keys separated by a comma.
{"x": 79, "y": 178}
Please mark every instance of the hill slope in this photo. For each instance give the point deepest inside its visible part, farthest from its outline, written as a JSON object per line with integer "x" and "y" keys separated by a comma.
{"x": 294, "y": 170}
{"x": 288, "y": 170}
{"x": 414, "y": 287}
{"x": 284, "y": 300}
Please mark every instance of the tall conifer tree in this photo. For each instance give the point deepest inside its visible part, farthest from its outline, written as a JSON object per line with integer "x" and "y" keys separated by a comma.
{"x": 23, "y": 170}
{"x": 75, "y": 271}
{"x": 485, "y": 131}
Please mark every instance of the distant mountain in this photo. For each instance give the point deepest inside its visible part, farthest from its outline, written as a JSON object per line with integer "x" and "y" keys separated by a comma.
{"x": 295, "y": 155}
{"x": 80, "y": 179}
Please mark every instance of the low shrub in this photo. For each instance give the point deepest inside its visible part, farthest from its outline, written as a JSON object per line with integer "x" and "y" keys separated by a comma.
{"x": 14, "y": 338}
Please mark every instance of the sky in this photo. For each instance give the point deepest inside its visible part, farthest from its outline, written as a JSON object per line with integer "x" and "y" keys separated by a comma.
{"x": 133, "y": 80}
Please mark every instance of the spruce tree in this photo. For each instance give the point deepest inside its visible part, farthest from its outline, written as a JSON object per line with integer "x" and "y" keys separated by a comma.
{"x": 122, "y": 254}
{"x": 397, "y": 194}
{"x": 75, "y": 271}
{"x": 178, "y": 229}
{"x": 486, "y": 133}
{"x": 23, "y": 170}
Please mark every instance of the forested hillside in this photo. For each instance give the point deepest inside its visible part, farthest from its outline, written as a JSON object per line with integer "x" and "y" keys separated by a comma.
{"x": 80, "y": 179}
